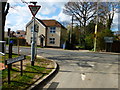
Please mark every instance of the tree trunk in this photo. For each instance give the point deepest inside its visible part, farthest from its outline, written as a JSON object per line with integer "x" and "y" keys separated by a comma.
{"x": 3, "y": 14}
{"x": 1, "y": 27}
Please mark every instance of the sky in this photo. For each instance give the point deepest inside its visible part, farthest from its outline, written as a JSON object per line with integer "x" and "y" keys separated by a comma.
{"x": 19, "y": 14}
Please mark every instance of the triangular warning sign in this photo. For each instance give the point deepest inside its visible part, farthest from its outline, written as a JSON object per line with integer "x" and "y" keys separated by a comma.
{"x": 34, "y": 9}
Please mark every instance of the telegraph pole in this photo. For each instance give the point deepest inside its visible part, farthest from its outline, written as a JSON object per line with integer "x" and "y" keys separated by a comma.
{"x": 96, "y": 27}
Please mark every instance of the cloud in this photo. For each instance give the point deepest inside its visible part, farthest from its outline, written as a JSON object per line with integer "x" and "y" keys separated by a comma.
{"x": 114, "y": 26}
{"x": 48, "y": 10}
{"x": 62, "y": 17}
{"x": 17, "y": 17}
{"x": 19, "y": 14}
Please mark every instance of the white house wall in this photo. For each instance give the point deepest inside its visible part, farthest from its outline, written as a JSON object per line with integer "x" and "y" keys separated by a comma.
{"x": 55, "y": 35}
{"x": 28, "y": 34}
{"x": 41, "y": 31}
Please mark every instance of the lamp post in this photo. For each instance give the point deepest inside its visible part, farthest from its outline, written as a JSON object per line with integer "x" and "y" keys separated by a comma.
{"x": 71, "y": 30}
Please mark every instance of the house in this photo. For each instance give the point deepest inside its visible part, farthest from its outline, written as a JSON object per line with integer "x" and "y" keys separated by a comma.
{"x": 117, "y": 33}
{"x": 20, "y": 33}
{"x": 12, "y": 34}
{"x": 49, "y": 33}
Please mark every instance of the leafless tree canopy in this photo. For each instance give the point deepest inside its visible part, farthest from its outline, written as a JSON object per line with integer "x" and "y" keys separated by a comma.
{"x": 86, "y": 11}
{"x": 82, "y": 11}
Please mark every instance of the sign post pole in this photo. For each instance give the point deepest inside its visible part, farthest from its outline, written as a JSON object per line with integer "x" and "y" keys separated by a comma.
{"x": 33, "y": 44}
{"x": 34, "y": 9}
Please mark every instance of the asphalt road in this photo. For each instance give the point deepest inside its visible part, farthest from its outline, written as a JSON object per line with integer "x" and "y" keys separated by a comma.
{"x": 80, "y": 69}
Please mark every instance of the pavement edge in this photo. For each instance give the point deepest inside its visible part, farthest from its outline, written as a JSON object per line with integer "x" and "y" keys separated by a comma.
{"x": 42, "y": 81}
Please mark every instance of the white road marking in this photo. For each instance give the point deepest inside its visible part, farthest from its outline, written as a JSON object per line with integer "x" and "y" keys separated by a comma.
{"x": 83, "y": 76}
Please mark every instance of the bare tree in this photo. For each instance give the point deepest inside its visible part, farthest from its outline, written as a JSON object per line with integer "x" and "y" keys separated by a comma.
{"x": 82, "y": 11}
{"x": 112, "y": 9}
{"x": 106, "y": 12}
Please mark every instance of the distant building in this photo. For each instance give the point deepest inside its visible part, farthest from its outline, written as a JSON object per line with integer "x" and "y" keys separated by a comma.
{"x": 20, "y": 33}
{"x": 117, "y": 33}
{"x": 12, "y": 34}
{"x": 50, "y": 33}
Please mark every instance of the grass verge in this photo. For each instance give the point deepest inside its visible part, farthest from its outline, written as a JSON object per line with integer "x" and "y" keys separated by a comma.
{"x": 30, "y": 75}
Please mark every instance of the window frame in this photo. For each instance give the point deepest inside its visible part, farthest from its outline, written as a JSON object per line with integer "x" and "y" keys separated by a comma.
{"x": 52, "y": 40}
{"x": 52, "y": 29}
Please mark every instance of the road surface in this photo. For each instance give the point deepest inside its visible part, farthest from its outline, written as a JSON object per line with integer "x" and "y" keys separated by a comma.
{"x": 81, "y": 69}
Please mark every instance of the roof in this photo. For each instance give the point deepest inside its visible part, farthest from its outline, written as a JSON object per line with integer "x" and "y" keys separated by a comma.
{"x": 21, "y": 32}
{"x": 50, "y": 23}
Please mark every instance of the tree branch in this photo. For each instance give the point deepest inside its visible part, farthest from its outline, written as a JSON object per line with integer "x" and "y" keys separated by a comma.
{"x": 6, "y": 11}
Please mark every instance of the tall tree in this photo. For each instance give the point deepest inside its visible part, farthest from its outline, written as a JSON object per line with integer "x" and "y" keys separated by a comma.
{"x": 106, "y": 12}
{"x": 82, "y": 11}
{"x": 112, "y": 9}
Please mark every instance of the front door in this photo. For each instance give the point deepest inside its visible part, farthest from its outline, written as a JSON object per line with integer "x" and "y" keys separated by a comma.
{"x": 41, "y": 41}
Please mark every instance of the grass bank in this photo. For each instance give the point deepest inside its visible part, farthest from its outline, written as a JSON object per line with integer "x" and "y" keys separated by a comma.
{"x": 31, "y": 74}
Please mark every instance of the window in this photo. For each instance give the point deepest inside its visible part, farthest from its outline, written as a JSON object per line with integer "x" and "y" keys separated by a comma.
{"x": 36, "y": 28}
{"x": 52, "y": 40}
{"x": 52, "y": 29}
{"x": 21, "y": 35}
{"x": 18, "y": 32}
{"x": 31, "y": 28}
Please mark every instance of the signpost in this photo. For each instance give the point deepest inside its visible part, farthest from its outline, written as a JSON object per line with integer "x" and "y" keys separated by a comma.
{"x": 108, "y": 43}
{"x": 10, "y": 61}
{"x": 108, "y": 39}
{"x": 34, "y": 9}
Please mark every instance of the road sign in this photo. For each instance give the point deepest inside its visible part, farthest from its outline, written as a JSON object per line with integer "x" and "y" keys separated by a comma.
{"x": 13, "y": 60}
{"x": 108, "y": 39}
{"x": 34, "y": 9}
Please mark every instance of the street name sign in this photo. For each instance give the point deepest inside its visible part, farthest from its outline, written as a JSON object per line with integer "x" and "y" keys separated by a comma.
{"x": 108, "y": 39}
{"x": 34, "y": 9}
{"x": 13, "y": 60}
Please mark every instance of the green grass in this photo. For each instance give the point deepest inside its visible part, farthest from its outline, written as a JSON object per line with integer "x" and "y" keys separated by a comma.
{"x": 24, "y": 81}
{"x": 30, "y": 75}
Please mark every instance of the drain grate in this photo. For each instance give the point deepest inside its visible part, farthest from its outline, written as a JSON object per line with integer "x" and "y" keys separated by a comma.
{"x": 53, "y": 86}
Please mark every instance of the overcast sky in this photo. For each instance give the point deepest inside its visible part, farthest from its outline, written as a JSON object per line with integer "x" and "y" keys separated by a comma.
{"x": 19, "y": 14}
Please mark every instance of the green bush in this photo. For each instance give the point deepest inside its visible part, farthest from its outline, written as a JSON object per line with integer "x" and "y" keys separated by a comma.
{"x": 89, "y": 40}
{"x": 100, "y": 38}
